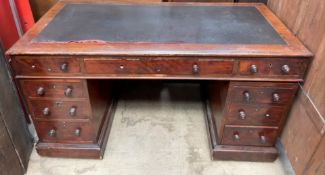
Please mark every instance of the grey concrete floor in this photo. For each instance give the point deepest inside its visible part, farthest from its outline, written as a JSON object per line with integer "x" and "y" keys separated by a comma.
{"x": 158, "y": 129}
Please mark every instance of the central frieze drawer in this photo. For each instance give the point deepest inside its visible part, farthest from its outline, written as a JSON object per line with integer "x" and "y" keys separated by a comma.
{"x": 159, "y": 66}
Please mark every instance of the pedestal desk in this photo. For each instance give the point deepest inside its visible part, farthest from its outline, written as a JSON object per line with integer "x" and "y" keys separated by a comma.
{"x": 250, "y": 62}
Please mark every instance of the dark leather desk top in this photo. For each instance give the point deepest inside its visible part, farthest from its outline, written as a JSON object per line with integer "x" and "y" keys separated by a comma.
{"x": 160, "y": 29}
{"x": 162, "y": 24}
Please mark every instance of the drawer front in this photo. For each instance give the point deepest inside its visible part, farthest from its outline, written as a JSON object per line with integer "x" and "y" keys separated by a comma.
{"x": 267, "y": 93}
{"x": 279, "y": 67}
{"x": 258, "y": 115}
{"x": 212, "y": 67}
{"x": 116, "y": 66}
{"x": 249, "y": 136}
{"x": 53, "y": 88}
{"x": 46, "y": 66}
{"x": 68, "y": 132}
{"x": 159, "y": 66}
{"x": 58, "y": 109}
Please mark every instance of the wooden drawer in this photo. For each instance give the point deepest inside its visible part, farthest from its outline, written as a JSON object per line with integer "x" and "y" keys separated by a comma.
{"x": 249, "y": 136}
{"x": 273, "y": 67}
{"x": 53, "y": 88}
{"x": 65, "y": 132}
{"x": 58, "y": 109}
{"x": 46, "y": 66}
{"x": 181, "y": 66}
{"x": 262, "y": 92}
{"x": 258, "y": 115}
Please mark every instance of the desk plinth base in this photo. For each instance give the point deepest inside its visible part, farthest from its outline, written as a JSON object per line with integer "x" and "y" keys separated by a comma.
{"x": 89, "y": 151}
{"x": 237, "y": 153}
{"x": 244, "y": 153}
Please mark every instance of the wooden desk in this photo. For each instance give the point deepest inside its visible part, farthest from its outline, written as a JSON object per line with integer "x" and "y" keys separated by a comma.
{"x": 65, "y": 64}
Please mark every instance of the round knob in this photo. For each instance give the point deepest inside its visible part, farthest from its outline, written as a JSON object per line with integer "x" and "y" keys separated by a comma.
{"x": 68, "y": 92}
{"x": 72, "y": 111}
{"x": 40, "y": 91}
{"x": 262, "y": 139}
{"x": 267, "y": 116}
{"x": 46, "y": 111}
{"x": 122, "y": 67}
{"x": 253, "y": 68}
{"x": 247, "y": 96}
{"x": 64, "y": 67}
{"x": 77, "y": 132}
{"x": 195, "y": 69}
{"x": 275, "y": 97}
{"x": 242, "y": 114}
{"x": 285, "y": 69}
{"x": 236, "y": 137}
{"x": 52, "y": 133}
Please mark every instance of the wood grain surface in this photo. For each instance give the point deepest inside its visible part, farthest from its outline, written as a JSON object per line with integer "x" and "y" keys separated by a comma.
{"x": 55, "y": 67}
{"x": 293, "y": 47}
{"x": 306, "y": 20}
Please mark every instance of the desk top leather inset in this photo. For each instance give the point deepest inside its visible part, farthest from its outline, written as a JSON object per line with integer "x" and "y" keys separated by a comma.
{"x": 160, "y": 29}
{"x": 163, "y": 24}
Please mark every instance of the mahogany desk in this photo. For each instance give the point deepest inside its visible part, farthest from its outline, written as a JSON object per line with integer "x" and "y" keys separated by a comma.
{"x": 65, "y": 65}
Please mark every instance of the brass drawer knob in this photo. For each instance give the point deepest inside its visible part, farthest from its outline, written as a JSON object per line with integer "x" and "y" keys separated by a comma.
{"x": 68, "y": 92}
{"x": 64, "y": 67}
{"x": 77, "y": 132}
{"x": 275, "y": 97}
{"x": 247, "y": 96}
{"x": 253, "y": 69}
{"x": 46, "y": 111}
{"x": 40, "y": 91}
{"x": 285, "y": 69}
{"x": 262, "y": 139}
{"x": 236, "y": 137}
{"x": 242, "y": 114}
{"x": 52, "y": 133}
{"x": 195, "y": 69}
{"x": 72, "y": 111}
